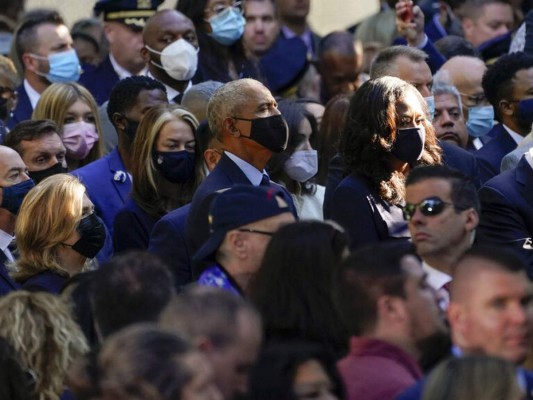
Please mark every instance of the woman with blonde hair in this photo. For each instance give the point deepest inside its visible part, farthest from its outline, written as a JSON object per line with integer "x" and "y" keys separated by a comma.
{"x": 166, "y": 170}
{"x": 74, "y": 110}
{"x": 57, "y": 232}
{"x": 45, "y": 337}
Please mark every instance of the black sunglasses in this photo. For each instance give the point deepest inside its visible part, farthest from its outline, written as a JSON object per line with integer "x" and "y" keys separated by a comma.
{"x": 429, "y": 207}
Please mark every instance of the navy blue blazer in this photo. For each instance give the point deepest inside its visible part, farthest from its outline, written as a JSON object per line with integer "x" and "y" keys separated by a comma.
{"x": 415, "y": 392}
{"x": 23, "y": 111}
{"x": 367, "y": 218}
{"x": 45, "y": 281}
{"x": 7, "y": 285}
{"x": 452, "y": 156}
{"x": 489, "y": 157}
{"x": 224, "y": 175}
{"x": 132, "y": 228}
{"x": 108, "y": 186}
{"x": 507, "y": 212}
{"x": 167, "y": 240}
{"x": 100, "y": 80}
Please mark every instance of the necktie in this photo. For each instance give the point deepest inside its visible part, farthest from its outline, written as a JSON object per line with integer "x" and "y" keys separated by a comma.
{"x": 177, "y": 98}
{"x": 265, "y": 180}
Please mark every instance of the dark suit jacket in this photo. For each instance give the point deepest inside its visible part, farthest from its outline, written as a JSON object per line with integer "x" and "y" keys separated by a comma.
{"x": 7, "y": 285}
{"x": 167, "y": 240}
{"x": 507, "y": 211}
{"x": 23, "y": 111}
{"x": 100, "y": 80}
{"x": 225, "y": 175}
{"x": 452, "y": 156}
{"x": 132, "y": 228}
{"x": 46, "y": 281}
{"x": 108, "y": 186}
{"x": 357, "y": 207}
{"x": 489, "y": 157}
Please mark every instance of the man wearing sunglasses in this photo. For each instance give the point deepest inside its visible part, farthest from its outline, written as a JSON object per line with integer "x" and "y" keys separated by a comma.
{"x": 442, "y": 208}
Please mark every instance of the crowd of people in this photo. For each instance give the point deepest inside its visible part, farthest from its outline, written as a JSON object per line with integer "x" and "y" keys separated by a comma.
{"x": 213, "y": 202}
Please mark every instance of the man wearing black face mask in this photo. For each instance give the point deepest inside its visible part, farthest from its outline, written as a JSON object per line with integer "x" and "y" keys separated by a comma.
{"x": 40, "y": 148}
{"x": 14, "y": 184}
{"x": 108, "y": 179}
{"x": 245, "y": 119}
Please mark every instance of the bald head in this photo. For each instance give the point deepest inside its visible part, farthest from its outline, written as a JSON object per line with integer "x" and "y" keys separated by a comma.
{"x": 158, "y": 22}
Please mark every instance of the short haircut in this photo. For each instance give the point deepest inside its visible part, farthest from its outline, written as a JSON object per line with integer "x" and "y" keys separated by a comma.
{"x": 130, "y": 288}
{"x": 441, "y": 87}
{"x": 203, "y": 90}
{"x": 383, "y": 64}
{"x": 506, "y": 260}
{"x": 453, "y": 45}
{"x": 125, "y": 93}
{"x": 363, "y": 277}
{"x": 26, "y": 40}
{"x": 226, "y": 102}
{"x": 29, "y": 130}
{"x": 339, "y": 42}
{"x": 463, "y": 191}
{"x": 498, "y": 79}
{"x": 204, "y": 311}
{"x": 473, "y": 9}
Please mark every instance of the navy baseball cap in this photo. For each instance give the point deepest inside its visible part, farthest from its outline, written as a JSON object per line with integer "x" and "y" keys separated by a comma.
{"x": 238, "y": 206}
{"x": 133, "y": 13}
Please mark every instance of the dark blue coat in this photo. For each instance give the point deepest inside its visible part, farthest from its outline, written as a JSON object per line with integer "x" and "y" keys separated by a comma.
{"x": 23, "y": 111}
{"x": 167, "y": 240}
{"x": 507, "y": 211}
{"x": 108, "y": 186}
{"x": 45, "y": 281}
{"x": 100, "y": 80}
{"x": 132, "y": 228}
{"x": 7, "y": 284}
{"x": 489, "y": 157}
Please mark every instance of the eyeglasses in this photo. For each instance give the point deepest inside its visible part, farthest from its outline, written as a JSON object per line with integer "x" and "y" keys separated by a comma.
{"x": 250, "y": 230}
{"x": 218, "y": 8}
{"x": 475, "y": 99}
{"x": 428, "y": 207}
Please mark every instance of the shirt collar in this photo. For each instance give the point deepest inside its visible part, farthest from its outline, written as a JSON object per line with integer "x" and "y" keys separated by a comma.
{"x": 436, "y": 279}
{"x": 33, "y": 95}
{"x": 529, "y": 157}
{"x": 171, "y": 92}
{"x": 516, "y": 136}
{"x": 123, "y": 72}
{"x": 253, "y": 174}
{"x": 5, "y": 240}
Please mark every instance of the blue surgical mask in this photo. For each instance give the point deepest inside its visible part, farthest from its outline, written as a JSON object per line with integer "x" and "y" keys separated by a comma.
{"x": 480, "y": 120}
{"x": 13, "y": 195}
{"x": 64, "y": 67}
{"x": 175, "y": 166}
{"x": 227, "y": 26}
{"x": 431, "y": 107}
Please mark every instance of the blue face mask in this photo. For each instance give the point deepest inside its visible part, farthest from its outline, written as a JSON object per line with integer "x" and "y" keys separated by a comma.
{"x": 175, "y": 166}
{"x": 228, "y": 26}
{"x": 64, "y": 67}
{"x": 431, "y": 106}
{"x": 13, "y": 195}
{"x": 480, "y": 120}
{"x": 524, "y": 117}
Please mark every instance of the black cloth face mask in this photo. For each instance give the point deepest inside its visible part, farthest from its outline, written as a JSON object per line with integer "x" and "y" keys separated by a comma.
{"x": 270, "y": 132}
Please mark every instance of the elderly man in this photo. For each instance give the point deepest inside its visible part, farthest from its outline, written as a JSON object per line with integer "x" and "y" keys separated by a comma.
{"x": 44, "y": 50}
{"x": 442, "y": 208}
{"x": 14, "y": 184}
{"x": 241, "y": 221}
{"x": 170, "y": 51}
{"x": 244, "y": 118}
{"x": 40, "y": 147}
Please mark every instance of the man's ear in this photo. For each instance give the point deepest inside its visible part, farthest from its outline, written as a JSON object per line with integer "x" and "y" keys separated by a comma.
{"x": 145, "y": 54}
{"x": 211, "y": 157}
{"x": 472, "y": 220}
{"x": 468, "y": 26}
{"x": 118, "y": 121}
{"x": 506, "y": 108}
{"x": 30, "y": 63}
{"x": 203, "y": 343}
{"x": 228, "y": 125}
{"x": 237, "y": 244}
{"x": 391, "y": 309}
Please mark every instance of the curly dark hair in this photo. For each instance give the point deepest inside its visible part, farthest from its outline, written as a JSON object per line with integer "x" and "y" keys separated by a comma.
{"x": 498, "y": 79}
{"x": 370, "y": 133}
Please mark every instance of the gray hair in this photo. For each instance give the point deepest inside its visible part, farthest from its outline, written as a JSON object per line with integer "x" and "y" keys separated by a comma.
{"x": 440, "y": 87}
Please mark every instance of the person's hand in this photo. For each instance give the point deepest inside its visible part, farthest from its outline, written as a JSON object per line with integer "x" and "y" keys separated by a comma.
{"x": 410, "y": 22}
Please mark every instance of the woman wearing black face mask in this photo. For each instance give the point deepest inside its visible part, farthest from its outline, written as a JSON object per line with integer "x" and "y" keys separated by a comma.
{"x": 386, "y": 134}
{"x": 57, "y": 234}
{"x": 166, "y": 170}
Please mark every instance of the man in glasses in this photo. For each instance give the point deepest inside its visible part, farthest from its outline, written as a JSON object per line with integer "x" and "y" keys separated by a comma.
{"x": 442, "y": 208}
{"x": 241, "y": 221}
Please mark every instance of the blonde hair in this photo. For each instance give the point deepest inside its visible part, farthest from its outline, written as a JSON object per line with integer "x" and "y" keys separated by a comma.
{"x": 7, "y": 68}
{"x": 54, "y": 104}
{"x": 145, "y": 190}
{"x": 48, "y": 215}
{"x": 42, "y": 331}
